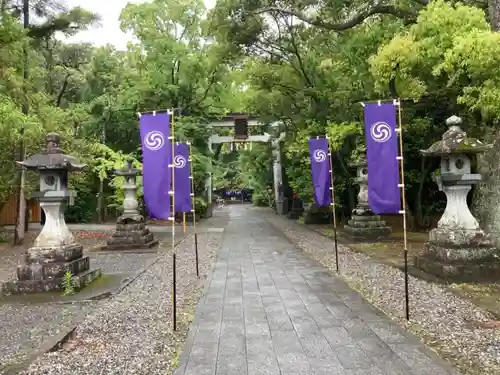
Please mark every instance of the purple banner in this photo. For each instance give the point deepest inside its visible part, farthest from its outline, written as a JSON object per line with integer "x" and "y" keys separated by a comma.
{"x": 183, "y": 199}
{"x": 320, "y": 167}
{"x": 384, "y": 195}
{"x": 156, "y": 155}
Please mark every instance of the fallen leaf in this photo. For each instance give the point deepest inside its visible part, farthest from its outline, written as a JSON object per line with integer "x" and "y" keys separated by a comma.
{"x": 490, "y": 324}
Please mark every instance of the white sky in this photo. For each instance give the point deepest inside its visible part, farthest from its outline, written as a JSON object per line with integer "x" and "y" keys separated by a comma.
{"x": 109, "y": 31}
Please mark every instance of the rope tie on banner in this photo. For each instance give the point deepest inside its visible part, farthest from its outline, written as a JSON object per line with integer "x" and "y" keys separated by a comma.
{"x": 401, "y": 185}
{"x": 172, "y": 218}
{"x": 193, "y": 210}
{"x": 334, "y": 216}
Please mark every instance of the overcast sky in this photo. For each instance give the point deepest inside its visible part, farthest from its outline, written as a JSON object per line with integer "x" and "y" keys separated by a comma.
{"x": 109, "y": 31}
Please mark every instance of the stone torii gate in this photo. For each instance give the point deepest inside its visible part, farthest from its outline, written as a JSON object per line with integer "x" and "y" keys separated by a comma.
{"x": 230, "y": 122}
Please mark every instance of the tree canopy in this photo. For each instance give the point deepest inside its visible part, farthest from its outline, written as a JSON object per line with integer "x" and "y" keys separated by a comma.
{"x": 303, "y": 63}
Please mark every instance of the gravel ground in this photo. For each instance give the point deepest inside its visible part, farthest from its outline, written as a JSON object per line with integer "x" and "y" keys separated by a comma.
{"x": 25, "y": 327}
{"x": 447, "y": 323}
{"x": 131, "y": 332}
{"x": 120, "y": 263}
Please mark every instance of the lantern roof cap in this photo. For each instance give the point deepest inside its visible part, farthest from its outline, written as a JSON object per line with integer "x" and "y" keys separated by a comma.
{"x": 52, "y": 157}
{"x": 128, "y": 170}
{"x": 455, "y": 141}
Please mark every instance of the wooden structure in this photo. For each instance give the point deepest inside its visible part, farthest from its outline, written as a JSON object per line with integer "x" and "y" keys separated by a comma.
{"x": 8, "y": 211}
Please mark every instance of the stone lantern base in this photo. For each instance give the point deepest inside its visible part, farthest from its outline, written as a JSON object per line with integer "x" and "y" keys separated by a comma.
{"x": 131, "y": 233}
{"x": 362, "y": 228}
{"x": 461, "y": 255}
{"x": 45, "y": 270}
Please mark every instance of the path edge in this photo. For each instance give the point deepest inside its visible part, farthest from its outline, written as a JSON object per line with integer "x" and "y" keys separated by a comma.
{"x": 193, "y": 327}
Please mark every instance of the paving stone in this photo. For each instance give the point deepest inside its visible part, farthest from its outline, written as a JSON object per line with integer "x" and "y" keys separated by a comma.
{"x": 319, "y": 352}
{"x": 338, "y": 336}
{"x": 261, "y": 358}
{"x": 353, "y": 357}
{"x": 271, "y": 310}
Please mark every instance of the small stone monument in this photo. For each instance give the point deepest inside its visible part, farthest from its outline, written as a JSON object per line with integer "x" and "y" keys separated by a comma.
{"x": 364, "y": 224}
{"x": 458, "y": 247}
{"x": 55, "y": 251}
{"x": 131, "y": 231}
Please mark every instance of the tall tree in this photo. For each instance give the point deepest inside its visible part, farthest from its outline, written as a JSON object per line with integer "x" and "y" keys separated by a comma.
{"x": 65, "y": 21}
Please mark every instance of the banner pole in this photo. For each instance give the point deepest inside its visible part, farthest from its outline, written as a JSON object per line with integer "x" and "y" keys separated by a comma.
{"x": 403, "y": 211}
{"x": 172, "y": 192}
{"x": 193, "y": 210}
{"x": 332, "y": 188}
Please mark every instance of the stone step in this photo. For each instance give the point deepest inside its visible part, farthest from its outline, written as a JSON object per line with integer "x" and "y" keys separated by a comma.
{"x": 131, "y": 239}
{"x": 130, "y": 233}
{"x": 130, "y": 246}
{"x": 85, "y": 278}
{"x": 365, "y": 217}
{"x": 38, "y": 271}
{"x": 366, "y": 234}
{"x": 367, "y": 224}
{"x": 489, "y": 270}
{"x": 63, "y": 254}
{"x": 131, "y": 227}
{"x": 49, "y": 285}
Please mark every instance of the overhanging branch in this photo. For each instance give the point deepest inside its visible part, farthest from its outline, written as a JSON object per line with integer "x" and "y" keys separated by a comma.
{"x": 356, "y": 19}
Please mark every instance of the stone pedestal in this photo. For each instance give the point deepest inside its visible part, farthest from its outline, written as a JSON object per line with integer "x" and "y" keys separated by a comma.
{"x": 54, "y": 253}
{"x": 280, "y": 207}
{"x": 364, "y": 224}
{"x": 296, "y": 209}
{"x": 462, "y": 255}
{"x": 458, "y": 249}
{"x": 131, "y": 233}
{"x": 278, "y": 175}
{"x": 366, "y": 228}
{"x": 209, "y": 211}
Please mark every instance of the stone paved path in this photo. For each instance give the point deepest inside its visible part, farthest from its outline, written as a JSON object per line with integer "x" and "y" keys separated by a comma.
{"x": 271, "y": 310}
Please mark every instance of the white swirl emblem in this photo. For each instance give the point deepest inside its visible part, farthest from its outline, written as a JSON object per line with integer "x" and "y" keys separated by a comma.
{"x": 154, "y": 140}
{"x": 319, "y": 156}
{"x": 380, "y": 132}
{"x": 179, "y": 161}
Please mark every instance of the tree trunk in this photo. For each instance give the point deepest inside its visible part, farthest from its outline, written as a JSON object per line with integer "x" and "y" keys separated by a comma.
{"x": 21, "y": 201}
{"x": 101, "y": 216}
{"x": 487, "y": 194}
{"x": 494, "y": 14}
{"x": 425, "y": 168}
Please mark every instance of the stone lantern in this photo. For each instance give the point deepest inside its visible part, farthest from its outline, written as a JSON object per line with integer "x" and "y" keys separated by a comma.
{"x": 131, "y": 231}
{"x": 54, "y": 252}
{"x": 458, "y": 247}
{"x": 364, "y": 224}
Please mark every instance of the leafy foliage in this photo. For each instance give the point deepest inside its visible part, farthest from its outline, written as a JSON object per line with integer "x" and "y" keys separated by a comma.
{"x": 304, "y": 65}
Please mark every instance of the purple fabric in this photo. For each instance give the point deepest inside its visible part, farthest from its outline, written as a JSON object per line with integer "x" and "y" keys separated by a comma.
{"x": 183, "y": 199}
{"x": 384, "y": 195}
{"x": 156, "y": 155}
{"x": 320, "y": 167}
